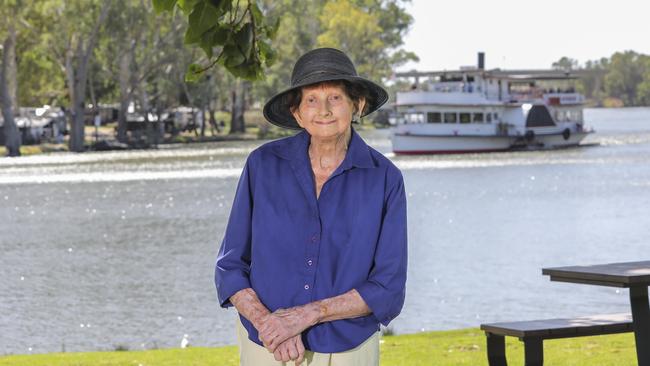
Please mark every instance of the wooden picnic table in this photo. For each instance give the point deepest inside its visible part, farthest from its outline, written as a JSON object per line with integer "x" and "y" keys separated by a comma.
{"x": 632, "y": 275}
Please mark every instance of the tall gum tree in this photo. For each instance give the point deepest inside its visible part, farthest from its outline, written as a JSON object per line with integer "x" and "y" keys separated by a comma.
{"x": 75, "y": 28}
{"x": 8, "y": 83}
{"x": 142, "y": 50}
{"x": 370, "y": 31}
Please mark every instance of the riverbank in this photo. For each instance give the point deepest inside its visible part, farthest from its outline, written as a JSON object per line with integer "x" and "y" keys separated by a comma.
{"x": 464, "y": 347}
{"x": 106, "y": 136}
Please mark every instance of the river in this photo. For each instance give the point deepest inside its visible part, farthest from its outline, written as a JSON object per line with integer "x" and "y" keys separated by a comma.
{"x": 114, "y": 250}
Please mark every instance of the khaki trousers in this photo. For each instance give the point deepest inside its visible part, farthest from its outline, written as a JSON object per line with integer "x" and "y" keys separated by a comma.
{"x": 252, "y": 354}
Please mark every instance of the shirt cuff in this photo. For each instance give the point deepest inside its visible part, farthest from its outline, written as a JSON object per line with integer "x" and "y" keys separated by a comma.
{"x": 379, "y": 300}
{"x": 229, "y": 284}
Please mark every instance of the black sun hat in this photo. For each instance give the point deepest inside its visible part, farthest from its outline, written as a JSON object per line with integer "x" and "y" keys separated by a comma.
{"x": 315, "y": 66}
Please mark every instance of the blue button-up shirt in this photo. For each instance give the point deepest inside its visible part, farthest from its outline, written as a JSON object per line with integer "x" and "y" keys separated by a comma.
{"x": 293, "y": 248}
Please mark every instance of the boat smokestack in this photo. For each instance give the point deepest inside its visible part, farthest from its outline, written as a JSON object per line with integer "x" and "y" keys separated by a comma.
{"x": 481, "y": 60}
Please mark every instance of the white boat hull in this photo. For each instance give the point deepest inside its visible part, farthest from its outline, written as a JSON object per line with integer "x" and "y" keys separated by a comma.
{"x": 406, "y": 142}
{"x": 554, "y": 141}
{"x": 432, "y": 144}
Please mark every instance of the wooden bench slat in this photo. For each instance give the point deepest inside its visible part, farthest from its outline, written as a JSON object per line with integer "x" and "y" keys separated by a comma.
{"x": 534, "y": 332}
{"x": 562, "y": 328}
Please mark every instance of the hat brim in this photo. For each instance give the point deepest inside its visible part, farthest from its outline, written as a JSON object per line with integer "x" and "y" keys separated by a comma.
{"x": 276, "y": 110}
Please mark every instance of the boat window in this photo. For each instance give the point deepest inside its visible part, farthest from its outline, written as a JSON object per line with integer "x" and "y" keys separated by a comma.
{"x": 450, "y": 78}
{"x": 478, "y": 117}
{"x": 568, "y": 116}
{"x": 465, "y": 118}
{"x": 450, "y": 118}
{"x": 414, "y": 117}
{"x": 496, "y": 116}
{"x": 488, "y": 117}
{"x": 434, "y": 117}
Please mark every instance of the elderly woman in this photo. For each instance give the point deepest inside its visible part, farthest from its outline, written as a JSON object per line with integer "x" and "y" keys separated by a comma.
{"x": 314, "y": 255}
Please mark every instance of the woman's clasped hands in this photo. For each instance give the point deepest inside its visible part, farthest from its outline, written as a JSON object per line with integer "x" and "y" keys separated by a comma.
{"x": 280, "y": 331}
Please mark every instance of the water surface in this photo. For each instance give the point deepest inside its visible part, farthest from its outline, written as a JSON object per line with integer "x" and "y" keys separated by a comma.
{"x": 116, "y": 249}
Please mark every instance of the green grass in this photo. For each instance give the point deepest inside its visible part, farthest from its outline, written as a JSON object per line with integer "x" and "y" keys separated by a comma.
{"x": 194, "y": 356}
{"x": 452, "y": 348}
{"x": 467, "y": 347}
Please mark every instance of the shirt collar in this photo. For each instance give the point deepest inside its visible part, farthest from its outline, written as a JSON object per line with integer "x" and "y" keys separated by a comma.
{"x": 358, "y": 154}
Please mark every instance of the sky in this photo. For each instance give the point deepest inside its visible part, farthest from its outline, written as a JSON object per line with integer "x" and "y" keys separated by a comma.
{"x": 447, "y": 34}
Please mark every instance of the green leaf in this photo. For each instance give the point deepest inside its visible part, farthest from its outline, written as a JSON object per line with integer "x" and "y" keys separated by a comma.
{"x": 267, "y": 54}
{"x": 207, "y": 41}
{"x": 218, "y": 3}
{"x": 232, "y": 56}
{"x": 249, "y": 70}
{"x": 225, "y": 6}
{"x": 220, "y": 36}
{"x": 272, "y": 30}
{"x": 163, "y": 5}
{"x": 203, "y": 17}
{"x": 244, "y": 38}
{"x": 239, "y": 71}
{"x": 188, "y": 5}
{"x": 257, "y": 13}
{"x": 193, "y": 73}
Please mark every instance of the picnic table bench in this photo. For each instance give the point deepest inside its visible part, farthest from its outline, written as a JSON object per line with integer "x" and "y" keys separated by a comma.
{"x": 534, "y": 332}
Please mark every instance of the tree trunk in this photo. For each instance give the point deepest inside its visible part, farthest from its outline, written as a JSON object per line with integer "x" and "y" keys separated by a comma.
{"x": 12, "y": 71}
{"x": 145, "y": 109}
{"x": 125, "y": 77}
{"x": 213, "y": 121}
{"x": 159, "y": 126}
{"x": 77, "y": 78}
{"x": 203, "y": 121}
{"x": 78, "y": 107}
{"x": 12, "y": 135}
{"x": 69, "y": 76}
{"x": 238, "y": 106}
{"x": 91, "y": 86}
{"x": 186, "y": 91}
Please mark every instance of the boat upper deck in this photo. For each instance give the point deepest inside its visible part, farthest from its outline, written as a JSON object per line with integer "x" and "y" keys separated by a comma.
{"x": 477, "y": 87}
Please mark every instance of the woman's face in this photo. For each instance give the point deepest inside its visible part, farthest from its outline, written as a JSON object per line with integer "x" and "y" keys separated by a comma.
{"x": 325, "y": 110}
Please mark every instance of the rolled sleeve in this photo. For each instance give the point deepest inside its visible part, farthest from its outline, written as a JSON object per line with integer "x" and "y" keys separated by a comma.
{"x": 385, "y": 289}
{"x": 232, "y": 268}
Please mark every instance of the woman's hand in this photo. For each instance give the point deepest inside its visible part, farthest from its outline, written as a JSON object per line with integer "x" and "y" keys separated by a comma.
{"x": 291, "y": 350}
{"x": 283, "y": 324}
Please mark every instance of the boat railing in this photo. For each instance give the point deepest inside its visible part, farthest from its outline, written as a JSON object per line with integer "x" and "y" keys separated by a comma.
{"x": 525, "y": 96}
{"x": 433, "y": 97}
{"x": 563, "y": 98}
{"x": 549, "y": 98}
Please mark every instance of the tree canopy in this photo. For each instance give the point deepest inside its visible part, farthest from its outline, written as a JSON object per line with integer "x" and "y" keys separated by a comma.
{"x": 622, "y": 79}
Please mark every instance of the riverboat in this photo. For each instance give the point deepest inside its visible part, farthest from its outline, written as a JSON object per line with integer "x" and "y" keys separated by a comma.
{"x": 478, "y": 110}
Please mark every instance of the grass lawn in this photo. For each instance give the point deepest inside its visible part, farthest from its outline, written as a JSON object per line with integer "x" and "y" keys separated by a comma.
{"x": 452, "y": 348}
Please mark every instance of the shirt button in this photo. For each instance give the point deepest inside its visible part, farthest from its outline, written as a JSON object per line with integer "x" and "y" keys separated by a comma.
{"x": 306, "y": 287}
{"x": 314, "y": 239}
{"x": 310, "y": 262}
